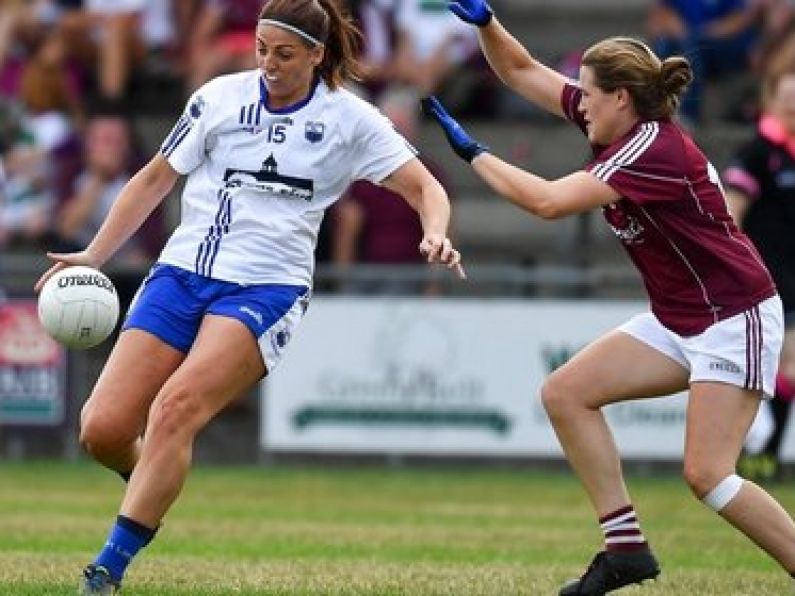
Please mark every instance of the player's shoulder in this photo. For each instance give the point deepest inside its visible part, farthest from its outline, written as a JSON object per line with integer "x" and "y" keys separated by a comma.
{"x": 657, "y": 148}
{"x": 349, "y": 103}
{"x": 229, "y": 87}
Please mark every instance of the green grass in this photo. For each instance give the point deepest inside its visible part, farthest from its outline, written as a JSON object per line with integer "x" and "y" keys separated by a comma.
{"x": 363, "y": 531}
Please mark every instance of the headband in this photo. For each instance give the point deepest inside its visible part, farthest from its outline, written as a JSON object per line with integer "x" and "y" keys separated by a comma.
{"x": 314, "y": 41}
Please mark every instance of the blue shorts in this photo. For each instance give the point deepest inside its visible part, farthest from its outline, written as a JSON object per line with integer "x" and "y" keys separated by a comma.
{"x": 172, "y": 302}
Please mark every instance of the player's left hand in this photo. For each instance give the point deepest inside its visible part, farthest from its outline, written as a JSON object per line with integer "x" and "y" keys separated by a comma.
{"x": 475, "y": 12}
{"x": 464, "y": 145}
{"x": 439, "y": 249}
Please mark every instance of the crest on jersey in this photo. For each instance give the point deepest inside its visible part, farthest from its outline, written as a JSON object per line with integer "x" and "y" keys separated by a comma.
{"x": 313, "y": 131}
{"x": 196, "y": 107}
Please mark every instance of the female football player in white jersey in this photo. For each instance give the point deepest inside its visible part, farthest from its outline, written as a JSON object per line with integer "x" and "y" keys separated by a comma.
{"x": 715, "y": 326}
{"x": 265, "y": 152}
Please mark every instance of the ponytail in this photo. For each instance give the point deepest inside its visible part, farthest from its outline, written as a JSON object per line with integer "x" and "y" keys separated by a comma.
{"x": 324, "y": 21}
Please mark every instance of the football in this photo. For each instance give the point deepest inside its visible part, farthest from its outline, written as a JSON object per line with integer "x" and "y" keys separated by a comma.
{"x": 79, "y": 307}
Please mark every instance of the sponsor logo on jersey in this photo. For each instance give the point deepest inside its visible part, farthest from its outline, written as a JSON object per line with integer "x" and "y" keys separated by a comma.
{"x": 269, "y": 181}
{"x": 627, "y": 227}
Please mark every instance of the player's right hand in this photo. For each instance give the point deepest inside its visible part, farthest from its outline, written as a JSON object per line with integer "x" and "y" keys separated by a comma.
{"x": 475, "y": 12}
{"x": 439, "y": 249}
{"x": 462, "y": 143}
{"x": 63, "y": 260}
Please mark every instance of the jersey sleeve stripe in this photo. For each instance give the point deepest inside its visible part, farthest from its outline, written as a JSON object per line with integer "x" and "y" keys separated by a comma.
{"x": 178, "y": 133}
{"x": 629, "y": 153}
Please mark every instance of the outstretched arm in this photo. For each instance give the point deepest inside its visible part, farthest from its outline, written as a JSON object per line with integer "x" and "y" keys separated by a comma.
{"x": 549, "y": 199}
{"x": 423, "y": 192}
{"x": 135, "y": 202}
{"x": 509, "y": 60}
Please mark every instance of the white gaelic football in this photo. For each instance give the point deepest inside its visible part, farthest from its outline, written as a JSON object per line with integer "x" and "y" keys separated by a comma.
{"x": 79, "y": 307}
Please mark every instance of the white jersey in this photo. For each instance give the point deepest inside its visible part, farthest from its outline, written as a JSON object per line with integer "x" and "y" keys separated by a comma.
{"x": 258, "y": 181}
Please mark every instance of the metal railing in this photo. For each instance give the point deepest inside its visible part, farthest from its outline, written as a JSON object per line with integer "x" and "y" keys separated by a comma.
{"x": 19, "y": 271}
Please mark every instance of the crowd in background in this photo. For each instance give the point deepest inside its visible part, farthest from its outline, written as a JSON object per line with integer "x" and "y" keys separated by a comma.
{"x": 72, "y": 73}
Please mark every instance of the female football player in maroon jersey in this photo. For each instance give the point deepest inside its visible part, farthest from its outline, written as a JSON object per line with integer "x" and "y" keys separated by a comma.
{"x": 715, "y": 326}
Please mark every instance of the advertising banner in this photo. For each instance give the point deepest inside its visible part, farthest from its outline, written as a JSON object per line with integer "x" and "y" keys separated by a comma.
{"x": 32, "y": 369}
{"x": 445, "y": 377}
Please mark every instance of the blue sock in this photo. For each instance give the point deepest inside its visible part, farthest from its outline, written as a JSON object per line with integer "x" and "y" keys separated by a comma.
{"x": 125, "y": 539}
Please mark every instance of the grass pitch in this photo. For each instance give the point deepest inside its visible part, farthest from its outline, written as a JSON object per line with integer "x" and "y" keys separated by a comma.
{"x": 364, "y": 531}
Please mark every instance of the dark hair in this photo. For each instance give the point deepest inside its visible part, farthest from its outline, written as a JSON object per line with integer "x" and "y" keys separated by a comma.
{"x": 655, "y": 86}
{"x": 323, "y": 20}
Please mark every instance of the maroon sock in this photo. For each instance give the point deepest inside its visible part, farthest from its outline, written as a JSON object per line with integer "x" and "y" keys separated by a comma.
{"x": 622, "y": 531}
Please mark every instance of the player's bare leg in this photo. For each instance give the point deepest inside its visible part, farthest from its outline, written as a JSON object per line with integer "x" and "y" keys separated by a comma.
{"x": 224, "y": 362}
{"x": 616, "y": 367}
{"x": 718, "y": 419}
{"x": 113, "y": 418}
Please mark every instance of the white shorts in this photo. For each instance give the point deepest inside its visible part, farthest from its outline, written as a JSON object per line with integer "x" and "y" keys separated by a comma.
{"x": 742, "y": 350}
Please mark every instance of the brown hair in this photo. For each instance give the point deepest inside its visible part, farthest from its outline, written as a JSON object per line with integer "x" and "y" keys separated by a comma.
{"x": 325, "y": 21}
{"x": 655, "y": 85}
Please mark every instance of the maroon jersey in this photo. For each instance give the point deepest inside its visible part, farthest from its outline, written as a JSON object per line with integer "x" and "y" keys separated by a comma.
{"x": 672, "y": 219}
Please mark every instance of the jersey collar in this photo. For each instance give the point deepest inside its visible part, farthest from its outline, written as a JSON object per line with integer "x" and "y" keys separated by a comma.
{"x": 263, "y": 98}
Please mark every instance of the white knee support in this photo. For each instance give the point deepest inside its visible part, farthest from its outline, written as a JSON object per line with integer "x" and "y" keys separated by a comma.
{"x": 723, "y": 492}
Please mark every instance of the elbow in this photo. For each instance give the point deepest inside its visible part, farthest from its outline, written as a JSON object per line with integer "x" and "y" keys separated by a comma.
{"x": 546, "y": 209}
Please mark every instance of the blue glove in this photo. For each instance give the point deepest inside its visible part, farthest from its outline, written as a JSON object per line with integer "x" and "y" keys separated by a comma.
{"x": 465, "y": 146}
{"x": 475, "y": 12}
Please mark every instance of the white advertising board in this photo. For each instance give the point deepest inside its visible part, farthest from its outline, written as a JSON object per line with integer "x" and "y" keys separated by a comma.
{"x": 452, "y": 377}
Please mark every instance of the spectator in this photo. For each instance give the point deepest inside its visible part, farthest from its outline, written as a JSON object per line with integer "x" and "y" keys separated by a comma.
{"x": 110, "y": 157}
{"x": 222, "y": 40}
{"x": 27, "y": 206}
{"x": 108, "y": 153}
{"x": 761, "y": 194}
{"x": 114, "y": 37}
{"x": 24, "y": 29}
{"x": 51, "y": 97}
{"x": 776, "y": 19}
{"x": 431, "y": 44}
{"x": 716, "y": 36}
{"x": 375, "y": 19}
{"x": 373, "y": 225}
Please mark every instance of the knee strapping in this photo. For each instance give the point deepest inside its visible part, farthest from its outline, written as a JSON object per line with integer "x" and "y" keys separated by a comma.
{"x": 724, "y": 492}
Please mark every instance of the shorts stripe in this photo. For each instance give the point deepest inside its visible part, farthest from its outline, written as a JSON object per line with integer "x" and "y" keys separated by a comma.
{"x": 753, "y": 349}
